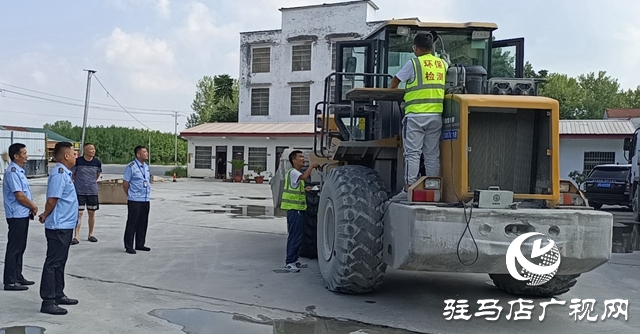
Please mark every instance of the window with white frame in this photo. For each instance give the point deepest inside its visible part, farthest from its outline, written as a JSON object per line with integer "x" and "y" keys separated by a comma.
{"x": 203, "y": 157}
{"x": 261, "y": 60}
{"x": 257, "y": 158}
{"x": 300, "y": 98}
{"x": 592, "y": 159}
{"x": 301, "y": 57}
{"x": 259, "y": 101}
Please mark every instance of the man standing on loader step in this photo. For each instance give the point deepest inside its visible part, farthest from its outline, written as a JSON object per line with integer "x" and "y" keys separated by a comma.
{"x": 424, "y": 96}
{"x": 294, "y": 201}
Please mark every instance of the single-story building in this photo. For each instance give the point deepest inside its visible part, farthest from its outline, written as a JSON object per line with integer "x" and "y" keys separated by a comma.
{"x": 587, "y": 143}
{"x": 212, "y": 146}
{"x": 52, "y": 137}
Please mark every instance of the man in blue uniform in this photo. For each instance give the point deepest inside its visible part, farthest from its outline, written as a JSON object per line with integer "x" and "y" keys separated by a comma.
{"x": 137, "y": 186}
{"x": 60, "y": 218}
{"x": 18, "y": 208}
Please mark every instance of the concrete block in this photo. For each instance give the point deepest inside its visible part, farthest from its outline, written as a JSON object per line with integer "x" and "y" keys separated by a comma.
{"x": 111, "y": 192}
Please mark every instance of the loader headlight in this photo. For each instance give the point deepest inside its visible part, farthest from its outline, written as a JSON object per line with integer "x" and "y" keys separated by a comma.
{"x": 564, "y": 187}
{"x": 432, "y": 184}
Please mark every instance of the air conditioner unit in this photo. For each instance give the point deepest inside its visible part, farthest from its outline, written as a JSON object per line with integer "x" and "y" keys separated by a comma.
{"x": 512, "y": 86}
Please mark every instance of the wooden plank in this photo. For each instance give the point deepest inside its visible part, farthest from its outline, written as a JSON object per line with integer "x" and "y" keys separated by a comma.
{"x": 375, "y": 94}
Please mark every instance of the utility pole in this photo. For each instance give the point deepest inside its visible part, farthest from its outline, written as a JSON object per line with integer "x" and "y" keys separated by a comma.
{"x": 86, "y": 109}
{"x": 175, "y": 150}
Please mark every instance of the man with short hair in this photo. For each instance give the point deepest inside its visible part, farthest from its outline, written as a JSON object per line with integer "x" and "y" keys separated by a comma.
{"x": 86, "y": 173}
{"x": 294, "y": 201}
{"x": 18, "y": 208}
{"x": 424, "y": 97}
{"x": 137, "y": 186}
{"x": 60, "y": 218}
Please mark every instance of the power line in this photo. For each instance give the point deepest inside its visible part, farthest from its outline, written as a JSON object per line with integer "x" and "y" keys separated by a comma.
{"x": 67, "y": 116}
{"x": 80, "y": 105}
{"x": 114, "y": 99}
{"x": 104, "y": 104}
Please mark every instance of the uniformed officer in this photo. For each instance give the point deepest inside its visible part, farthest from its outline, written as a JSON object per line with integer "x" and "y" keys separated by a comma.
{"x": 60, "y": 218}
{"x": 137, "y": 186}
{"x": 18, "y": 208}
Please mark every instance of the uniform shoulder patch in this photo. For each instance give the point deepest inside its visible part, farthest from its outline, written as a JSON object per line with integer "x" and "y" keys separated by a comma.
{"x": 60, "y": 170}
{"x": 13, "y": 169}
{"x": 131, "y": 164}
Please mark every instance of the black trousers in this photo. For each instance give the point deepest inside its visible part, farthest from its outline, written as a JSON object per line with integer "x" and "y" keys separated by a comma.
{"x": 16, "y": 245}
{"x": 137, "y": 221}
{"x": 52, "y": 283}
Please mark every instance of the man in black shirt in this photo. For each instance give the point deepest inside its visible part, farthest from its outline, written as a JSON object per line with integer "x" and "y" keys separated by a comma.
{"x": 86, "y": 173}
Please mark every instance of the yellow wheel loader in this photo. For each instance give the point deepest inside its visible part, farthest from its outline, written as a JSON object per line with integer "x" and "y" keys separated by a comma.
{"x": 498, "y": 206}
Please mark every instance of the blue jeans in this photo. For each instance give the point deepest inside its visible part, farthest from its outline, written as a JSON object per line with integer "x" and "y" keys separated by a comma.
{"x": 295, "y": 227}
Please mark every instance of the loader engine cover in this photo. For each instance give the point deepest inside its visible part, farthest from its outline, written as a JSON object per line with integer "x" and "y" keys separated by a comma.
{"x": 496, "y": 199}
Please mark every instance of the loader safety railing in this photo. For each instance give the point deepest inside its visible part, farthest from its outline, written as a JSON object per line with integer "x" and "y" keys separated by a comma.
{"x": 322, "y": 129}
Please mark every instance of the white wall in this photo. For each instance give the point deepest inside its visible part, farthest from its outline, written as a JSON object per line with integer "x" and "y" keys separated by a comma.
{"x": 246, "y": 142}
{"x": 319, "y": 25}
{"x": 572, "y": 152}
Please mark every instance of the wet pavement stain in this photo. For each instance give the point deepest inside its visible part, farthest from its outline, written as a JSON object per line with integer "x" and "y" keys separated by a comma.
{"x": 255, "y": 198}
{"x": 247, "y": 211}
{"x": 22, "y": 330}
{"x": 197, "y": 321}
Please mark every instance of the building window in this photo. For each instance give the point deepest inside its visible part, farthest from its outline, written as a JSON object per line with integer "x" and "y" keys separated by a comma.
{"x": 203, "y": 157}
{"x": 592, "y": 159}
{"x": 257, "y": 158}
{"x": 301, "y": 58}
{"x": 261, "y": 60}
{"x": 260, "y": 102}
{"x": 300, "y": 97}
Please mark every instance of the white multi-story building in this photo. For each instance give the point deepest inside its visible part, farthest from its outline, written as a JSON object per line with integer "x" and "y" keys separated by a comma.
{"x": 282, "y": 75}
{"x": 282, "y": 71}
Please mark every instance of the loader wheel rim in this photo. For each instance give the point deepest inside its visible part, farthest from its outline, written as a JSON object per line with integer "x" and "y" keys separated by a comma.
{"x": 329, "y": 231}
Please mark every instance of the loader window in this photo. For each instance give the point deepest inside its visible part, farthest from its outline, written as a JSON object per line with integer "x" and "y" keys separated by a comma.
{"x": 457, "y": 44}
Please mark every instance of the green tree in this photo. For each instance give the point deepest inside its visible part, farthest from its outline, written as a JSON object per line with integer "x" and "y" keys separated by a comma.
{"x": 569, "y": 94}
{"x": 216, "y": 100}
{"x": 503, "y": 64}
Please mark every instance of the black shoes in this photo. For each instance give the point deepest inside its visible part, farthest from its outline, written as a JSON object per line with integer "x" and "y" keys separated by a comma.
{"x": 143, "y": 248}
{"x": 66, "y": 301}
{"x": 15, "y": 287}
{"x": 25, "y": 282}
{"x": 53, "y": 309}
{"x": 131, "y": 251}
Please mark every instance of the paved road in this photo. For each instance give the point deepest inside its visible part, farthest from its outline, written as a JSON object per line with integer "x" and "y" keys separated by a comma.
{"x": 214, "y": 265}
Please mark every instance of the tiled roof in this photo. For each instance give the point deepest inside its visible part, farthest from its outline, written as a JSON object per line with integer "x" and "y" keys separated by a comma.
{"x": 51, "y": 136}
{"x": 623, "y": 113}
{"x": 596, "y": 127}
{"x": 250, "y": 129}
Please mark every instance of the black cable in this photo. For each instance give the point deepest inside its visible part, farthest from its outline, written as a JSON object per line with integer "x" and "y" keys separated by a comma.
{"x": 464, "y": 206}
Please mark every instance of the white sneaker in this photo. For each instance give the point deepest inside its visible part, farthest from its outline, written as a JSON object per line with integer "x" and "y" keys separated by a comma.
{"x": 291, "y": 267}
{"x": 301, "y": 265}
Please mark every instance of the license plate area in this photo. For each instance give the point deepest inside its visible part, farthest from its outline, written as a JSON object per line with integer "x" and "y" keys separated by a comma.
{"x": 603, "y": 185}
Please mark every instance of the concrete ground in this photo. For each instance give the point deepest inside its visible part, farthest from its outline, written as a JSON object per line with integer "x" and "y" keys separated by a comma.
{"x": 215, "y": 269}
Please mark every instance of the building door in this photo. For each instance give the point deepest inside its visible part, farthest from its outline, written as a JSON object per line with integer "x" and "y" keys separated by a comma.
{"x": 238, "y": 154}
{"x": 279, "y": 150}
{"x": 221, "y": 162}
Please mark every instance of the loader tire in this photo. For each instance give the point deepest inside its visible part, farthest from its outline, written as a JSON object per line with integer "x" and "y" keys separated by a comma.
{"x": 556, "y": 286}
{"x": 309, "y": 247}
{"x": 350, "y": 230}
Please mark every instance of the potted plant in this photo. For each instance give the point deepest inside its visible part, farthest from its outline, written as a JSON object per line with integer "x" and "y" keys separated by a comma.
{"x": 259, "y": 178}
{"x": 238, "y": 165}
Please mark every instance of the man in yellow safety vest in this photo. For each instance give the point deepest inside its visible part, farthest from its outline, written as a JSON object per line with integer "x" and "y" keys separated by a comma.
{"x": 425, "y": 78}
{"x": 294, "y": 201}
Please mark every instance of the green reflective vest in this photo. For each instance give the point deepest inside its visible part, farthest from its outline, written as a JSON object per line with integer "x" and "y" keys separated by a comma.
{"x": 293, "y": 198}
{"x": 425, "y": 93}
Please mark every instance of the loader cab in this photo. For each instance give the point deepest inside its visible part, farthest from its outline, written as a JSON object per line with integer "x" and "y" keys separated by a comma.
{"x": 385, "y": 51}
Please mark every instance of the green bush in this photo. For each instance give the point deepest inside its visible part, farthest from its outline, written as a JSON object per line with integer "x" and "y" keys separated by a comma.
{"x": 180, "y": 172}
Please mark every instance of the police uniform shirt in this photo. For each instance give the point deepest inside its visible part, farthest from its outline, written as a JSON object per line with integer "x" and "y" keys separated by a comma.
{"x": 15, "y": 179}
{"x": 138, "y": 176}
{"x": 60, "y": 186}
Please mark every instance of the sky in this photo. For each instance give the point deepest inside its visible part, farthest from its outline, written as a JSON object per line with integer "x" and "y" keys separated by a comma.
{"x": 150, "y": 54}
